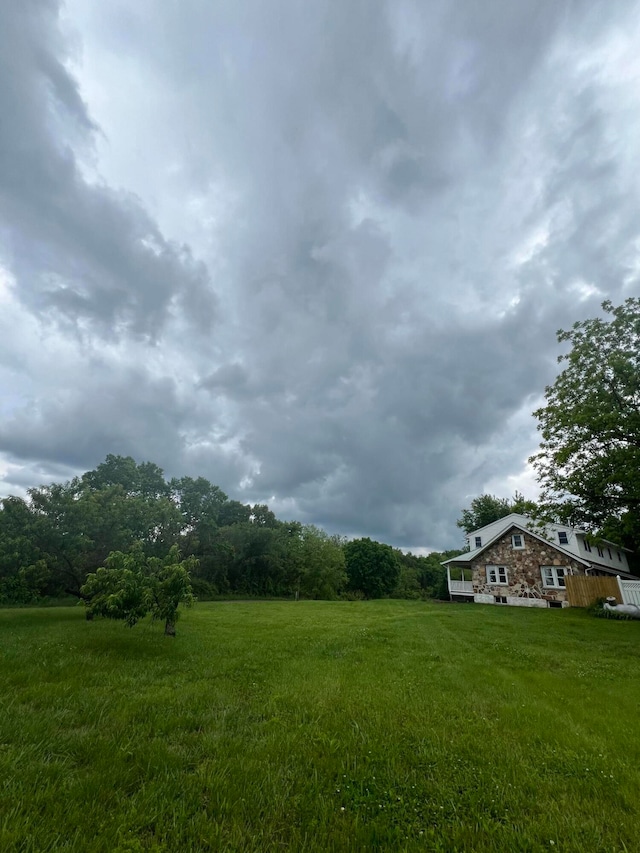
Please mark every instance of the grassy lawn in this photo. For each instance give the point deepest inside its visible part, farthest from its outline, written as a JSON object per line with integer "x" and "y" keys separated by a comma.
{"x": 317, "y": 726}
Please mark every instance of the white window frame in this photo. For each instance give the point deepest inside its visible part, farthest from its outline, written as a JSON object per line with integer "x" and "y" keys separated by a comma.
{"x": 498, "y": 573}
{"x": 563, "y": 533}
{"x": 520, "y": 536}
{"x": 478, "y": 541}
{"x": 554, "y": 575}
{"x": 587, "y": 545}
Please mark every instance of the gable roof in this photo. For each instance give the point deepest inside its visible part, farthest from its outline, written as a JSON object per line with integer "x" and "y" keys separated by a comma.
{"x": 592, "y": 563}
{"x": 524, "y": 520}
{"x": 471, "y": 555}
{"x": 516, "y": 518}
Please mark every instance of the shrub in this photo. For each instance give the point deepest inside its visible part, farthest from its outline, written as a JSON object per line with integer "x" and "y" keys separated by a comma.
{"x": 597, "y": 608}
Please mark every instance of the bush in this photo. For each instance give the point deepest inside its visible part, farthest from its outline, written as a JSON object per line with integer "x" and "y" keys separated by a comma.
{"x": 353, "y": 595}
{"x": 408, "y": 585}
{"x": 597, "y": 609}
{"x": 204, "y": 590}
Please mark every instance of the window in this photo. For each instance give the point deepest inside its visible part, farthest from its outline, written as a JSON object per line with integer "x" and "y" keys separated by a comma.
{"x": 563, "y": 538}
{"x": 497, "y": 575}
{"x": 609, "y": 552}
{"x": 500, "y": 599}
{"x": 553, "y": 576}
{"x": 478, "y": 541}
{"x": 517, "y": 540}
{"x": 587, "y": 547}
{"x": 555, "y": 604}
{"x": 600, "y": 552}
{"x": 619, "y": 555}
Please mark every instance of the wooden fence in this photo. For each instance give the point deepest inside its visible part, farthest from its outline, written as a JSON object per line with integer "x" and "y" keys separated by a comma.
{"x": 582, "y": 590}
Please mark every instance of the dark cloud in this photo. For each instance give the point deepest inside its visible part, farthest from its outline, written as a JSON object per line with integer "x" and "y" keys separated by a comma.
{"x": 399, "y": 204}
{"x": 81, "y": 251}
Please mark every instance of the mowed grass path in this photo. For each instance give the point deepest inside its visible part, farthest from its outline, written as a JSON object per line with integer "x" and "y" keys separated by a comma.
{"x": 317, "y": 726}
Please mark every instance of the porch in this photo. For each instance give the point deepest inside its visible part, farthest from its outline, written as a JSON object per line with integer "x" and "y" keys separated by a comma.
{"x": 459, "y": 581}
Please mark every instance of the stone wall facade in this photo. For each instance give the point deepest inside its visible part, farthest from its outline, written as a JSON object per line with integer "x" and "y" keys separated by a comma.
{"x": 524, "y": 576}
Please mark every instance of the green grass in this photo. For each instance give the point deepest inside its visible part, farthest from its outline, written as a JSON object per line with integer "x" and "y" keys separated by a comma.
{"x": 316, "y": 726}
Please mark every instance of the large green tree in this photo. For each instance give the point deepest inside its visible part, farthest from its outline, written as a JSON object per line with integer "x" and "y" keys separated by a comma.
{"x": 372, "y": 568}
{"x": 422, "y": 576}
{"x": 487, "y": 508}
{"x": 77, "y": 524}
{"x": 24, "y": 575}
{"x": 144, "y": 480}
{"x": 588, "y": 464}
{"x": 200, "y": 505}
{"x": 483, "y": 510}
{"x": 321, "y": 563}
{"x": 258, "y": 558}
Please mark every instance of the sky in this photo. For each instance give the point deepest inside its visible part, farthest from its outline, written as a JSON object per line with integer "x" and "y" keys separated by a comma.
{"x": 317, "y": 253}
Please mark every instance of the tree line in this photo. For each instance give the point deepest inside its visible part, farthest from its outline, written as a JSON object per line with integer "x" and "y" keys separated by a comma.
{"x": 52, "y": 541}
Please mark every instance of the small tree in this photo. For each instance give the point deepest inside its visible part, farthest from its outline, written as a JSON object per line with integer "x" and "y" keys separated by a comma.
{"x": 170, "y": 587}
{"x": 133, "y": 585}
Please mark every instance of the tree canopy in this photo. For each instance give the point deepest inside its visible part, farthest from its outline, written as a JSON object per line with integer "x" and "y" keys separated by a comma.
{"x": 487, "y": 508}
{"x": 483, "y": 510}
{"x": 588, "y": 464}
{"x": 64, "y": 535}
{"x": 372, "y": 568}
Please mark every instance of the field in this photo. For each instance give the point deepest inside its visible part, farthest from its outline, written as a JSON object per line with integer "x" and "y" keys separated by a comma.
{"x": 316, "y": 726}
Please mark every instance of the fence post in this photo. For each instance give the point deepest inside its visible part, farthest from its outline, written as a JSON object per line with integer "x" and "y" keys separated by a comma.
{"x": 621, "y": 588}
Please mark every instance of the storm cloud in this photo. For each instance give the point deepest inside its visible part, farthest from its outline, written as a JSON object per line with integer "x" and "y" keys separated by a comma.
{"x": 316, "y": 253}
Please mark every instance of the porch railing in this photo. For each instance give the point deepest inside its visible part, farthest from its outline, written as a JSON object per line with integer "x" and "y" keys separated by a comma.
{"x": 461, "y": 586}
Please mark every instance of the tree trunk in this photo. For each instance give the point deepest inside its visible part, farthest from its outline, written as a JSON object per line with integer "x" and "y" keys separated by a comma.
{"x": 169, "y": 628}
{"x": 75, "y": 594}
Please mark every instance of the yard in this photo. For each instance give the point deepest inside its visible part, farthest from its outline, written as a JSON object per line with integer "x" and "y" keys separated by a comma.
{"x": 317, "y": 726}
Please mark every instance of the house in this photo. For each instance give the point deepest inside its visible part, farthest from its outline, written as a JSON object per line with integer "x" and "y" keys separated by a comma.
{"x": 516, "y": 561}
